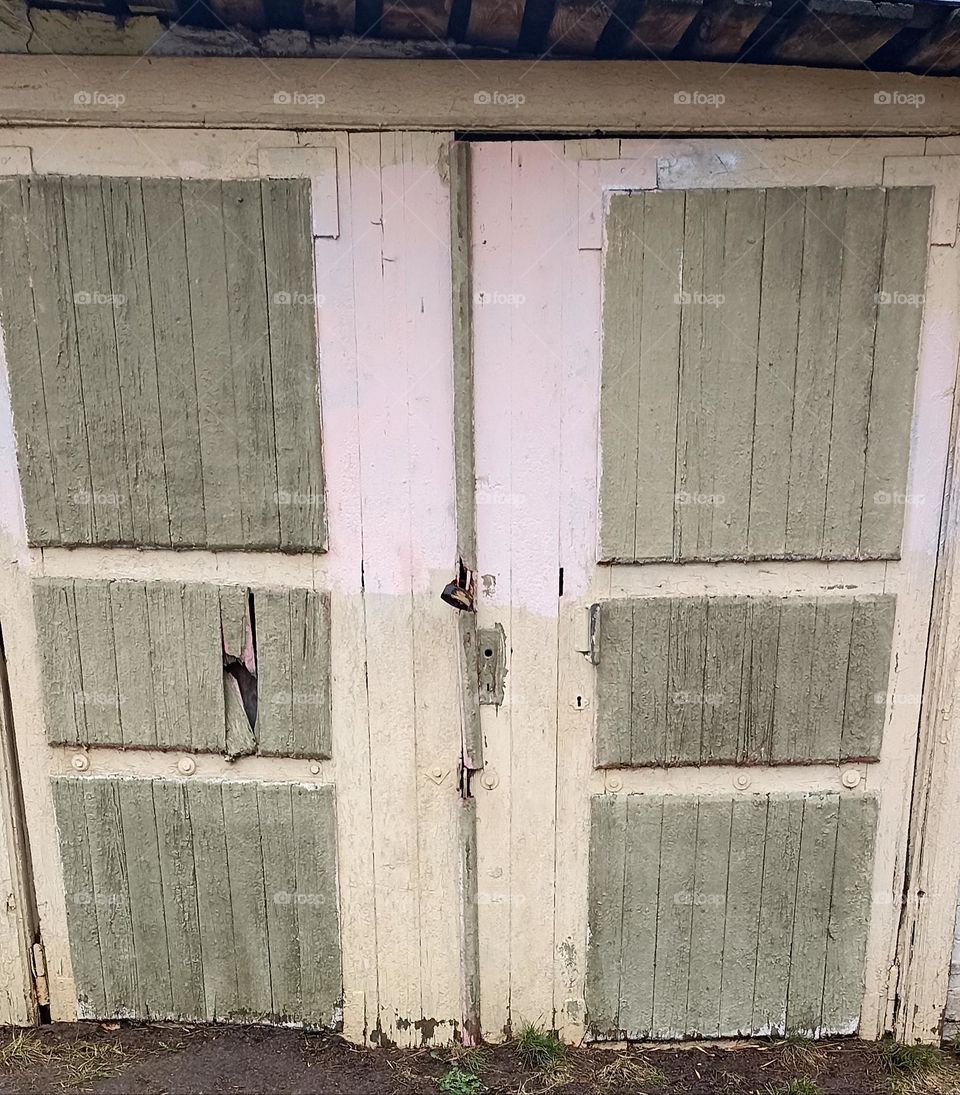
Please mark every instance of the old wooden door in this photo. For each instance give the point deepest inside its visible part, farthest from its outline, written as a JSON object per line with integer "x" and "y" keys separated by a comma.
{"x": 713, "y": 394}
{"x": 227, "y": 484}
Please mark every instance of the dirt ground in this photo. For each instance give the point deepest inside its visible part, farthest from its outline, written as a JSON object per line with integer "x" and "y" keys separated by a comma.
{"x": 170, "y": 1059}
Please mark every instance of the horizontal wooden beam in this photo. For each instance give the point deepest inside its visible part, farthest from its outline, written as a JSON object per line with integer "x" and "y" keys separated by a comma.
{"x": 626, "y": 97}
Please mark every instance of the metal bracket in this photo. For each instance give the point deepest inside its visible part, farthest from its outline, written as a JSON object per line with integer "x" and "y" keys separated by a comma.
{"x": 491, "y": 664}
{"x": 592, "y": 653}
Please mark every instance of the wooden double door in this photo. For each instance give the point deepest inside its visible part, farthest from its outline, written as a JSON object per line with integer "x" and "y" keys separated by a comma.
{"x": 673, "y": 415}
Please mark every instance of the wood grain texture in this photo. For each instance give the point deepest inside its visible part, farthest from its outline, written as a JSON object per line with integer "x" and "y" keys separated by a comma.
{"x": 167, "y": 339}
{"x": 727, "y": 914}
{"x": 778, "y": 421}
{"x": 207, "y": 900}
{"x": 742, "y": 680}
{"x": 293, "y": 644}
{"x": 140, "y": 664}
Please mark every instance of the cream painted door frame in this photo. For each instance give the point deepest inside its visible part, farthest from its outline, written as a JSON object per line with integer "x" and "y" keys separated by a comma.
{"x": 537, "y": 278}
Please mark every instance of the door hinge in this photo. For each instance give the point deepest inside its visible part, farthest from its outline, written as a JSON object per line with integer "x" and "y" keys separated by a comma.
{"x": 41, "y": 984}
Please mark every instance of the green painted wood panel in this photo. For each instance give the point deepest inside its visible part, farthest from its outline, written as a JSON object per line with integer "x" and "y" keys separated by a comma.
{"x": 140, "y": 665}
{"x": 166, "y": 339}
{"x": 728, "y": 915}
{"x": 292, "y": 304}
{"x": 742, "y": 680}
{"x": 762, "y": 409}
{"x": 293, "y": 629}
{"x": 201, "y": 900}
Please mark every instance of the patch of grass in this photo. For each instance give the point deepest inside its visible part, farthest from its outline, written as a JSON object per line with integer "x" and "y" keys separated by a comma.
{"x": 798, "y": 1086}
{"x": 918, "y": 1070}
{"x": 459, "y": 1082}
{"x": 626, "y": 1071}
{"x": 912, "y": 1060}
{"x": 540, "y": 1049}
{"x": 24, "y": 1050}
{"x": 470, "y": 1058}
{"x": 85, "y": 1062}
{"x": 798, "y": 1053}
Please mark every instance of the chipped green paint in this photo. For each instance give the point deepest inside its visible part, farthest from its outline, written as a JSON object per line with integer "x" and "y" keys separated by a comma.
{"x": 170, "y": 352}
{"x": 759, "y": 355}
{"x": 717, "y": 916}
{"x": 141, "y": 665}
{"x": 742, "y": 680}
{"x": 207, "y": 900}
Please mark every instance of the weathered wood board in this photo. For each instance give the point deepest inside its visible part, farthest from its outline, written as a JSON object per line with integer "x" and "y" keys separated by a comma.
{"x": 141, "y": 665}
{"x": 713, "y": 917}
{"x": 204, "y": 900}
{"x": 756, "y": 409}
{"x": 742, "y": 680}
{"x": 163, "y": 361}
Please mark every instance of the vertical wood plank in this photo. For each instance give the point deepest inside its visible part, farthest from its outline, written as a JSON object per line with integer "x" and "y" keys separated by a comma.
{"x": 816, "y": 365}
{"x": 100, "y": 695}
{"x": 131, "y": 634}
{"x": 700, "y": 330}
{"x": 740, "y": 939}
{"x": 641, "y": 889}
{"x": 818, "y": 845}
{"x": 777, "y": 907}
{"x": 678, "y": 851}
{"x": 111, "y": 895}
{"x": 685, "y": 693}
{"x": 795, "y": 661}
{"x": 169, "y": 279}
{"x": 128, "y": 265}
{"x": 620, "y": 377}
{"x": 659, "y": 369}
{"x": 310, "y": 672}
{"x": 318, "y": 927}
{"x": 202, "y": 655}
{"x": 759, "y": 681}
{"x": 21, "y": 326}
{"x": 141, "y": 852}
{"x": 56, "y": 619}
{"x": 60, "y": 361}
{"x": 783, "y": 237}
{"x": 94, "y": 306}
{"x": 899, "y": 317}
{"x": 856, "y": 328}
{"x": 383, "y": 427}
{"x": 651, "y": 700}
{"x": 614, "y": 702}
{"x": 868, "y": 677}
{"x": 168, "y": 663}
{"x": 219, "y": 945}
{"x": 247, "y": 897}
{"x": 737, "y": 310}
{"x": 709, "y": 899}
{"x": 849, "y": 915}
{"x": 275, "y": 809}
{"x": 292, "y": 301}
{"x": 178, "y": 876}
{"x": 608, "y": 868}
{"x": 210, "y": 324}
{"x": 274, "y": 672}
{"x": 251, "y": 365}
{"x": 726, "y": 622}
{"x": 828, "y": 683}
{"x": 78, "y": 885}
